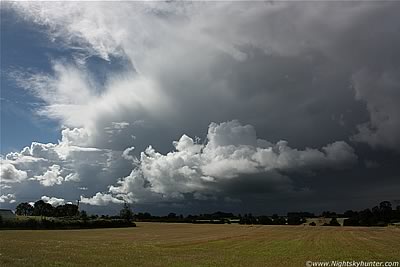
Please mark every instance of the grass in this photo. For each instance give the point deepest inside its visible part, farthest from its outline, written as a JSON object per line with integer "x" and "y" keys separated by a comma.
{"x": 156, "y": 244}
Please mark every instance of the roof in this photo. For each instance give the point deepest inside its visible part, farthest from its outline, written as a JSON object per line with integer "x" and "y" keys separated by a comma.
{"x": 7, "y": 214}
{"x": 6, "y": 210}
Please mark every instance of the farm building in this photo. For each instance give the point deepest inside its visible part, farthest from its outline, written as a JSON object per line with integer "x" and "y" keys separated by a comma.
{"x": 7, "y": 214}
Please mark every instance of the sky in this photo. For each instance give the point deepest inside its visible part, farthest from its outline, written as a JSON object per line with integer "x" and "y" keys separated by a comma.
{"x": 195, "y": 107}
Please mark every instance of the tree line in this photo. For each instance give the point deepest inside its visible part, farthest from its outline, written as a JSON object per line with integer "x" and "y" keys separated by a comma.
{"x": 41, "y": 208}
{"x": 42, "y": 215}
{"x": 380, "y": 215}
{"x": 223, "y": 217}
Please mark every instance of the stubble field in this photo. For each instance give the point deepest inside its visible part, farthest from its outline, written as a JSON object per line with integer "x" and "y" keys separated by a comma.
{"x": 157, "y": 244}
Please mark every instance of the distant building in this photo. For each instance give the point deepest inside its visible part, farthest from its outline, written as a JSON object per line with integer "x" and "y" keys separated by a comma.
{"x": 7, "y": 214}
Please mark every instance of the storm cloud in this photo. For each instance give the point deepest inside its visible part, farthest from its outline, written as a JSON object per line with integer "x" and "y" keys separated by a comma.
{"x": 265, "y": 100}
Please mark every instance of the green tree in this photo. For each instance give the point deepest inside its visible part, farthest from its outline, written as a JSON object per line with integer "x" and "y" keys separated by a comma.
{"x": 69, "y": 210}
{"x": 126, "y": 212}
{"x": 24, "y": 209}
{"x": 41, "y": 208}
{"x": 83, "y": 215}
{"x": 334, "y": 222}
{"x": 385, "y": 211}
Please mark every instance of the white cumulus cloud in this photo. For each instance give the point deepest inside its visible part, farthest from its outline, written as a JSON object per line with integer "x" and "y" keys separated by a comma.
{"x": 10, "y": 198}
{"x": 232, "y": 151}
{"x": 53, "y": 200}
{"x": 9, "y": 174}
{"x": 101, "y": 199}
{"x": 50, "y": 177}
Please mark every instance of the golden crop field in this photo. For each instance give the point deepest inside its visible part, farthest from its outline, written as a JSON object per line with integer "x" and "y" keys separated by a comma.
{"x": 163, "y": 244}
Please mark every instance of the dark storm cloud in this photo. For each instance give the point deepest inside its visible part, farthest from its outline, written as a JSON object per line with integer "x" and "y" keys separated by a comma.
{"x": 319, "y": 75}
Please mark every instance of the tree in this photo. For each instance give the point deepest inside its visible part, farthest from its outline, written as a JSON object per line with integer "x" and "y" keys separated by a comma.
{"x": 264, "y": 220}
{"x": 171, "y": 215}
{"x": 41, "y": 208}
{"x": 24, "y": 209}
{"x": 295, "y": 220}
{"x": 385, "y": 205}
{"x": 146, "y": 215}
{"x": 328, "y": 214}
{"x": 143, "y": 216}
{"x": 83, "y": 216}
{"x": 126, "y": 213}
{"x": 367, "y": 218}
{"x": 278, "y": 220}
{"x": 350, "y": 213}
{"x": 334, "y": 222}
{"x": 385, "y": 211}
{"x": 69, "y": 210}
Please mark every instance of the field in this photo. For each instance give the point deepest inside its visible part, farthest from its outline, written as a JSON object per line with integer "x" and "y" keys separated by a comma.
{"x": 156, "y": 244}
